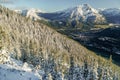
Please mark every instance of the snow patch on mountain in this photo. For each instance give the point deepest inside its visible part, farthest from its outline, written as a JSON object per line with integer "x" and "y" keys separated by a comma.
{"x": 30, "y": 13}
{"x": 83, "y": 12}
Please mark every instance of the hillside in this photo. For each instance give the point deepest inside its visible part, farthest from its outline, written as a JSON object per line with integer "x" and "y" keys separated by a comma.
{"x": 55, "y": 54}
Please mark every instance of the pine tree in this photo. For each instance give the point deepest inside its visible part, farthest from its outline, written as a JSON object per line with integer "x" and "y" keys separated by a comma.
{"x": 85, "y": 74}
{"x": 71, "y": 70}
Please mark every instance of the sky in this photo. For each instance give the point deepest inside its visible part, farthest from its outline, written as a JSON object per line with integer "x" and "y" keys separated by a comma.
{"x": 56, "y": 5}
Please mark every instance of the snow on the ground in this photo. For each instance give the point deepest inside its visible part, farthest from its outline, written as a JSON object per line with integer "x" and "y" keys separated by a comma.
{"x": 11, "y": 69}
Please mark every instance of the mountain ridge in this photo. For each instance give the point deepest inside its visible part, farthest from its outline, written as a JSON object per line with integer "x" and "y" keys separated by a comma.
{"x": 82, "y": 13}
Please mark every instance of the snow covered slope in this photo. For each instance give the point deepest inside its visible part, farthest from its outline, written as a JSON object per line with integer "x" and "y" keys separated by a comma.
{"x": 84, "y": 11}
{"x": 31, "y": 13}
{"x": 14, "y": 69}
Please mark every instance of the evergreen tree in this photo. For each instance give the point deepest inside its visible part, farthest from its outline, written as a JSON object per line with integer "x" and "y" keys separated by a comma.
{"x": 85, "y": 74}
{"x": 71, "y": 70}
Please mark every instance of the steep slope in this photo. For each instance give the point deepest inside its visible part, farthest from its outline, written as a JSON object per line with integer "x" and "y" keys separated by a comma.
{"x": 56, "y": 54}
{"x": 15, "y": 69}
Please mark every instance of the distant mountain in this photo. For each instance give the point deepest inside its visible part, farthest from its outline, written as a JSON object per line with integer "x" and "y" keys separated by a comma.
{"x": 81, "y": 13}
{"x": 75, "y": 15}
{"x": 30, "y": 13}
{"x": 112, "y": 15}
